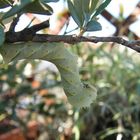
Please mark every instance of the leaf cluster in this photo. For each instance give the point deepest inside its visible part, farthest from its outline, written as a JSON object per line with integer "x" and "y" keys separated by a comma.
{"x": 20, "y": 7}
{"x": 84, "y": 13}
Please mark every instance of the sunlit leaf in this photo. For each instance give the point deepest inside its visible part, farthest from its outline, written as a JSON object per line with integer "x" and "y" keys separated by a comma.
{"x": 93, "y": 5}
{"x": 78, "y": 7}
{"x": 7, "y": 20}
{"x": 93, "y": 25}
{"x": 85, "y": 5}
{"x": 16, "y": 8}
{"x": 37, "y": 7}
{"x": 2, "y": 35}
{"x": 74, "y": 13}
{"x": 102, "y": 7}
{"x": 47, "y": 1}
{"x": 5, "y": 3}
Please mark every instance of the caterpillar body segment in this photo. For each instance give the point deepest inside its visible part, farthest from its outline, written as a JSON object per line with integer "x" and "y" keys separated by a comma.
{"x": 77, "y": 93}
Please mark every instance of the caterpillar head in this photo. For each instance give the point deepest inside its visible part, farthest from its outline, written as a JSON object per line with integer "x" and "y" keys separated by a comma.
{"x": 84, "y": 98}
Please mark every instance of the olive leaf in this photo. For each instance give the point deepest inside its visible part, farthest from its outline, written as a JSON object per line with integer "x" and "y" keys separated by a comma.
{"x": 85, "y": 11}
{"x": 7, "y": 20}
{"x": 92, "y": 6}
{"x": 85, "y": 5}
{"x": 16, "y": 8}
{"x": 37, "y": 7}
{"x": 74, "y": 13}
{"x": 93, "y": 25}
{"x": 47, "y": 1}
{"x": 78, "y": 7}
{"x": 29, "y": 6}
{"x": 102, "y": 7}
{"x": 2, "y": 35}
{"x": 6, "y": 3}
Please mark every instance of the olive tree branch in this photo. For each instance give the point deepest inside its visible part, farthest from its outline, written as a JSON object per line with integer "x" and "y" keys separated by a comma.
{"x": 29, "y": 34}
{"x": 71, "y": 39}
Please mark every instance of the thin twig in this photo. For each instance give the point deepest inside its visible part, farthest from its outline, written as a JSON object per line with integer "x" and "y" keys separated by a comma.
{"x": 38, "y": 27}
{"x": 14, "y": 23}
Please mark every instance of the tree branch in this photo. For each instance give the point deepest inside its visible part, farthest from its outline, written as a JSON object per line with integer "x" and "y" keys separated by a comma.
{"x": 26, "y": 35}
{"x": 29, "y": 34}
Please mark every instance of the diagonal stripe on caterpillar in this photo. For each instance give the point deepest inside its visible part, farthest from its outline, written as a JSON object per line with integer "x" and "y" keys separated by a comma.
{"x": 78, "y": 94}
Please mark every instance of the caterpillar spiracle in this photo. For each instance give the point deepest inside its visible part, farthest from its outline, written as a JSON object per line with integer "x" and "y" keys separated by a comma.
{"x": 79, "y": 94}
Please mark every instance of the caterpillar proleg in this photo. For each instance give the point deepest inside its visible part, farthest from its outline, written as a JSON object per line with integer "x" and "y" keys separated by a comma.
{"x": 78, "y": 94}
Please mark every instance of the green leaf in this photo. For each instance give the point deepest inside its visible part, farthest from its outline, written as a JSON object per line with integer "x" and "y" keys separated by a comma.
{"x": 5, "y": 3}
{"x": 74, "y": 13}
{"x": 93, "y": 25}
{"x": 17, "y": 8}
{"x": 93, "y": 5}
{"x": 86, "y": 18}
{"x": 37, "y": 7}
{"x": 7, "y": 20}
{"x": 47, "y": 1}
{"x": 2, "y": 35}
{"x": 78, "y": 8}
{"x": 85, "y": 6}
{"x": 85, "y": 9}
{"x": 102, "y": 7}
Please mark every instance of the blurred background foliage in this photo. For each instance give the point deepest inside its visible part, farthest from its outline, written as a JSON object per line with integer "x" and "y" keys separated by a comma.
{"x": 38, "y": 96}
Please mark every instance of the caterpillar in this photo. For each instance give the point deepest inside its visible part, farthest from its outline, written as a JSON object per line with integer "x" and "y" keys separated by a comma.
{"x": 79, "y": 94}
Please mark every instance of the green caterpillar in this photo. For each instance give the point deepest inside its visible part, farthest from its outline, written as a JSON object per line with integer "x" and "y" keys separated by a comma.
{"x": 78, "y": 94}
